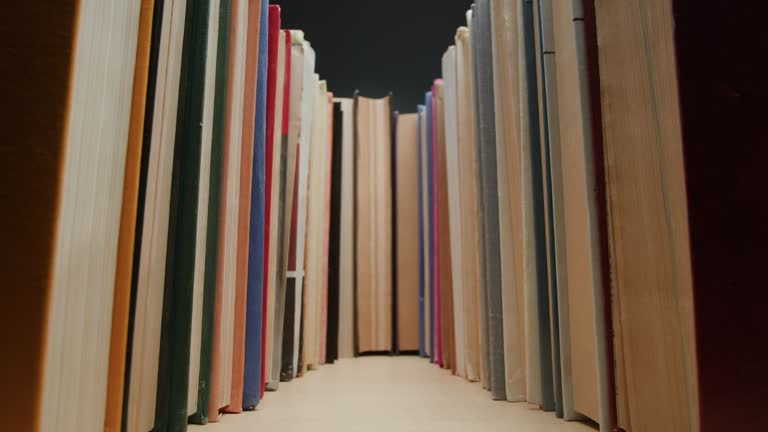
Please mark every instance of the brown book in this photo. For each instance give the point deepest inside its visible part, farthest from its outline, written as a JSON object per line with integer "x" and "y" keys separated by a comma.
{"x": 64, "y": 156}
{"x": 374, "y": 225}
{"x": 407, "y": 203}
{"x": 652, "y": 283}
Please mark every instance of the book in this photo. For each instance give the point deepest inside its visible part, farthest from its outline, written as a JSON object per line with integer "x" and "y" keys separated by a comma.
{"x": 292, "y": 165}
{"x": 374, "y": 225}
{"x": 346, "y": 335}
{"x": 407, "y": 211}
{"x": 506, "y": 66}
{"x": 334, "y": 235}
{"x": 255, "y": 297}
{"x": 151, "y": 273}
{"x": 64, "y": 182}
{"x": 469, "y": 228}
{"x": 121, "y": 309}
{"x": 251, "y": 45}
{"x": 424, "y": 318}
{"x": 486, "y": 150}
{"x": 201, "y": 238}
{"x": 643, "y": 132}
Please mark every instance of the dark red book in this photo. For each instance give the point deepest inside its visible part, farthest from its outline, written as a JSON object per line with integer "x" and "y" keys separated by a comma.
{"x": 274, "y": 37}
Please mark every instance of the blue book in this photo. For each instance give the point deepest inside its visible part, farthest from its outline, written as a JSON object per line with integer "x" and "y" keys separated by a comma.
{"x": 430, "y": 260}
{"x": 253, "y": 330}
{"x": 421, "y": 109}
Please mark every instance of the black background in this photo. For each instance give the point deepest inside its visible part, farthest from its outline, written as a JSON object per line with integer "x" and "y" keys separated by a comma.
{"x": 378, "y": 46}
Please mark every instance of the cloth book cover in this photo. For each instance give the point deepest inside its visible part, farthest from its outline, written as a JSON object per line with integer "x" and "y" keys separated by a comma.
{"x": 272, "y": 68}
{"x": 430, "y": 211}
{"x": 334, "y": 237}
{"x": 469, "y": 215}
{"x": 291, "y": 194}
{"x": 204, "y": 196}
{"x": 423, "y": 316}
{"x": 346, "y": 333}
{"x": 173, "y": 372}
{"x": 255, "y": 297}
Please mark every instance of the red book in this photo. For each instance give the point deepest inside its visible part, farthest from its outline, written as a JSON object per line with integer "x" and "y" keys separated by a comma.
{"x": 274, "y": 37}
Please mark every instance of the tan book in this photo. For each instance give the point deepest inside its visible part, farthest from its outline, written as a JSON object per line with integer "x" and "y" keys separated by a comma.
{"x": 469, "y": 226}
{"x": 374, "y": 224}
{"x": 454, "y": 177}
{"x": 407, "y": 210}
{"x": 347, "y": 245}
{"x": 316, "y": 198}
{"x": 651, "y": 274}
{"x": 506, "y": 56}
{"x": 585, "y": 292}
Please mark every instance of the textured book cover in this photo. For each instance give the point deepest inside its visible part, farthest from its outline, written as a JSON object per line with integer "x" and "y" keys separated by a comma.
{"x": 423, "y": 275}
{"x": 255, "y": 297}
{"x": 506, "y": 81}
{"x": 283, "y": 213}
{"x": 334, "y": 236}
{"x": 253, "y": 24}
{"x": 121, "y": 308}
{"x": 429, "y": 213}
{"x": 291, "y": 213}
{"x": 469, "y": 205}
{"x": 151, "y": 271}
{"x": 346, "y": 235}
{"x": 213, "y": 223}
{"x": 272, "y": 77}
{"x": 173, "y": 371}
{"x": 453, "y": 178}
{"x": 201, "y": 247}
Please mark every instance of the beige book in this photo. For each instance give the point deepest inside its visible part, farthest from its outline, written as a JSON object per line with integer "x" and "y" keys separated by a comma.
{"x": 407, "y": 210}
{"x": 651, "y": 281}
{"x": 271, "y": 269}
{"x": 308, "y": 91}
{"x": 454, "y": 207}
{"x": 313, "y": 281}
{"x": 374, "y": 225}
{"x": 75, "y": 334}
{"x": 584, "y": 288}
{"x": 148, "y": 313}
{"x": 507, "y": 60}
{"x": 347, "y": 245}
{"x": 469, "y": 202}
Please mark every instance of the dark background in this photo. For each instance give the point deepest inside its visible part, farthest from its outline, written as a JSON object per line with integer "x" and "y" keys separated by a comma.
{"x": 378, "y": 46}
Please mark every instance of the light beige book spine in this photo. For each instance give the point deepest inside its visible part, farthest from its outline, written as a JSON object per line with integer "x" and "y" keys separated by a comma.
{"x": 468, "y": 168}
{"x": 346, "y": 259}
{"x": 506, "y": 58}
{"x": 453, "y": 176}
